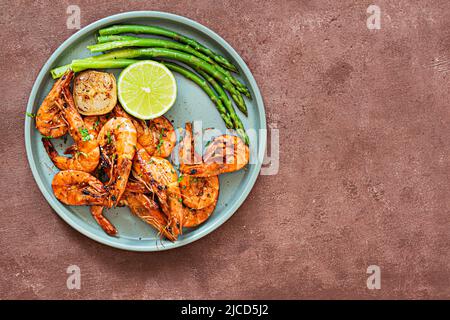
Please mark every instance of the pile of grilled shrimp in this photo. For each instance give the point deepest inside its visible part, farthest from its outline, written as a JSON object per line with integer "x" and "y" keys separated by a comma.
{"x": 119, "y": 160}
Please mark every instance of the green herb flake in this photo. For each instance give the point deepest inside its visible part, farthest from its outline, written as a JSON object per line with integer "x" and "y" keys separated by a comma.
{"x": 31, "y": 115}
{"x": 109, "y": 138}
{"x": 80, "y": 153}
{"x": 85, "y": 134}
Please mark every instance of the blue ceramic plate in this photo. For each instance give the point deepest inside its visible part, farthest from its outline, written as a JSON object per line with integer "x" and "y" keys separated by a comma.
{"x": 192, "y": 104}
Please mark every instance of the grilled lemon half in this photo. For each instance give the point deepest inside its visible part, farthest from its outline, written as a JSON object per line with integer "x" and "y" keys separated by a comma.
{"x": 94, "y": 92}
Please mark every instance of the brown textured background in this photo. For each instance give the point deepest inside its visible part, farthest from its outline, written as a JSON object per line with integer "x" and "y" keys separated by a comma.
{"x": 364, "y": 173}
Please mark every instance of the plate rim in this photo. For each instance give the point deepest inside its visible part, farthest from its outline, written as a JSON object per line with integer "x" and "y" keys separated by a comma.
{"x": 56, "y": 205}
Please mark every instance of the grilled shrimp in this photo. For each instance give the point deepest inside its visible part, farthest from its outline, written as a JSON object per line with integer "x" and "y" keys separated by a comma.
{"x": 149, "y": 211}
{"x": 194, "y": 217}
{"x": 144, "y": 134}
{"x": 49, "y": 119}
{"x": 197, "y": 192}
{"x": 85, "y": 152}
{"x": 159, "y": 175}
{"x": 117, "y": 141}
{"x": 78, "y": 188}
{"x": 226, "y": 153}
{"x": 164, "y": 136}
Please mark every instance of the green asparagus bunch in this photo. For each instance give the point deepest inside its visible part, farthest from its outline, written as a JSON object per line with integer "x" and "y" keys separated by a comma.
{"x": 212, "y": 71}
{"x": 158, "y": 31}
{"x": 106, "y": 43}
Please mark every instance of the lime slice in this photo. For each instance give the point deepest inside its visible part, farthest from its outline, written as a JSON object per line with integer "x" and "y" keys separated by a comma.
{"x": 147, "y": 89}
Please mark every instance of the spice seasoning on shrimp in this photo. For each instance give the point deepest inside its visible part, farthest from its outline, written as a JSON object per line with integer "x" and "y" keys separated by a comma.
{"x": 120, "y": 135}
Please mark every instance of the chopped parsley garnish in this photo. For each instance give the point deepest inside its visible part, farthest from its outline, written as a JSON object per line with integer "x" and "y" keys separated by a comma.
{"x": 161, "y": 141}
{"x": 85, "y": 134}
{"x": 108, "y": 136}
{"x": 31, "y": 115}
{"x": 180, "y": 178}
{"x": 47, "y": 137}
{"x": 158, "y": 147}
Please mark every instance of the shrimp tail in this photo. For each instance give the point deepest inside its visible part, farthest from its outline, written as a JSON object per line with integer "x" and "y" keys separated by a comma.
{"x": 50, "y": 149}
{"x": 105, "y": 224}
{"x": 122, "y": 171}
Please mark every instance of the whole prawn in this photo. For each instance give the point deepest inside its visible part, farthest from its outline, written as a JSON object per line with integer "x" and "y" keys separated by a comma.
{"x": 160, "y": 177}
{"x": 78, "y": 188}
{"x": 226, "y": 153}
{"x": 49, "y": 119}
{"x": 85, "y": 152}
{"x": 117, "y": 140}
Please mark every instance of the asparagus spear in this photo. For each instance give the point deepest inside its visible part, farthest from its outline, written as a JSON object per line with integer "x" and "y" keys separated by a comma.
{"x": 117, "y": 29}
{"x": 128, "y": 41}
{"x": 59, "y": 71}
{"x": 237, "y": 123}
{"x": 190, "y": 60}
{"x": 203, "y": 85}
{"x": 103, "y": 39}
{"x": 84, "y": 64}
{"x": 106, "y": 43}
